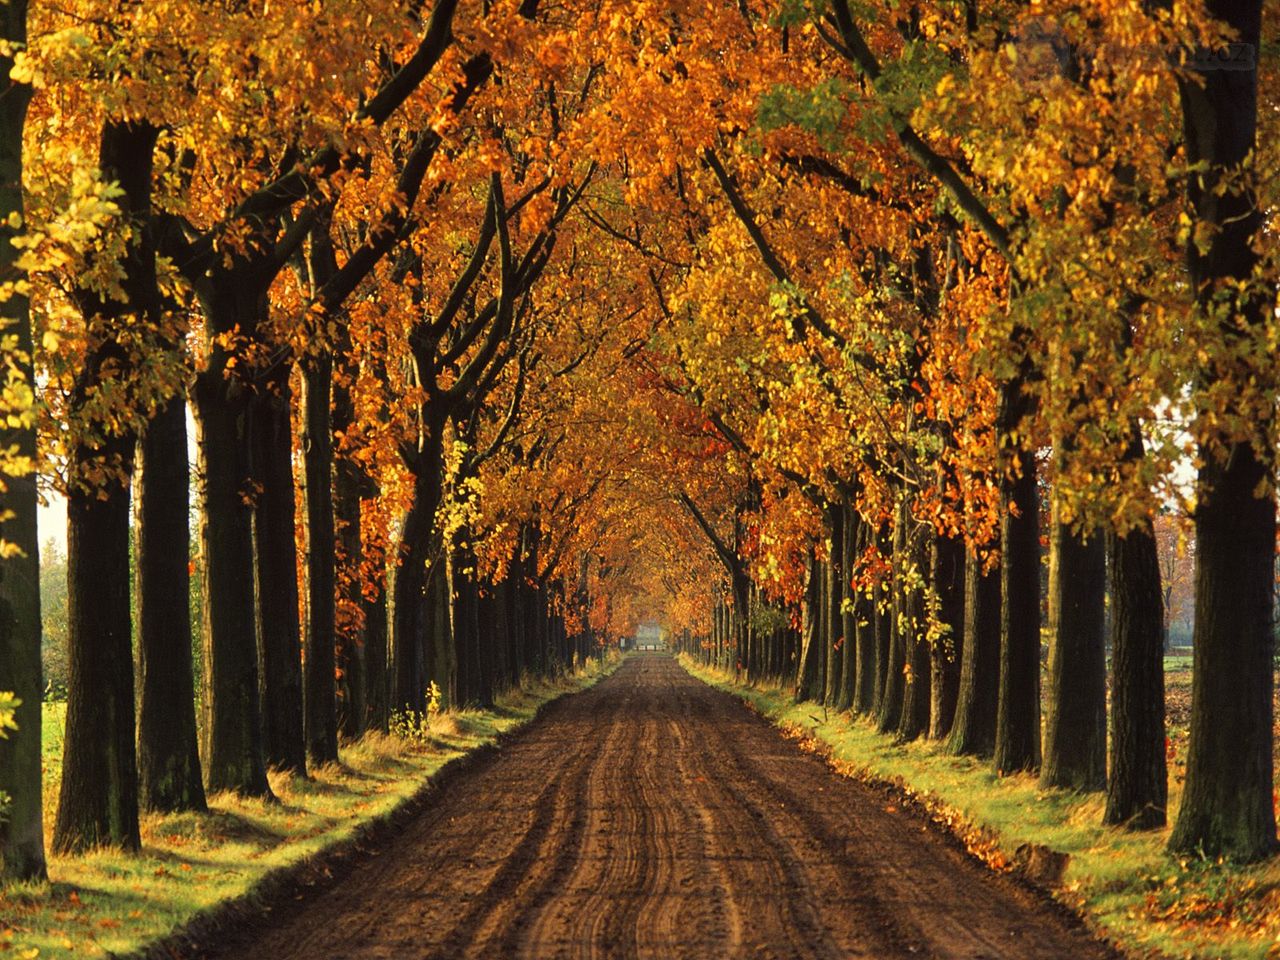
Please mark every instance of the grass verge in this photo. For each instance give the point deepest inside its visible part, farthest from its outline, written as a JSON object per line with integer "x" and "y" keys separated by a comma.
{"x": 1124, "y": 884}
{"x": 107, "y": 904}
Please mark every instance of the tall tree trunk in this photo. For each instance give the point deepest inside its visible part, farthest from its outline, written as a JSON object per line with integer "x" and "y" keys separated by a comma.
{"x": 415, "y": 619}
{"x": 375, "y": 651}
{"x": 946, "y": 563}
{"x": 1227, "y": 802}
{"x": 865, "y": 636}
{"x": 410, "y": 615}
{"x": 276, "y": 577}
{"x": 823, "y": 570}
{"x": 891, "y": 699}
{"x": 833, "y": 593}
{"x": 363, "y": 705}
{"x": 973, "y": 730}
{"x": 474, "y": 682}
{"x": 511, "y": 598}
{"x": 442, "y": 655}
{"x": 320, "y": 721}
{"x": 168, "y": 748}
{"x": 1075, "y": 730}
{"x": 98, "y": 800}
{"x": 1138, "y": 787}
{"x": 500, "y": 616}
{"x": 21, "y": 830}
{"x": 853, "y": 532}
{"x": 807, "y": 671}
{"x": 916, "y": 692}
{"x": 884, "y": 639}
{"x": 1018, "y": 708}
{"x": 234, "y": 757}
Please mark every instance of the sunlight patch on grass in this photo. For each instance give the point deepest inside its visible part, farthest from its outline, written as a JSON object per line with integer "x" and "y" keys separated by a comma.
{"x": 106, "y": 903}
{"x": 1122, "y": 882}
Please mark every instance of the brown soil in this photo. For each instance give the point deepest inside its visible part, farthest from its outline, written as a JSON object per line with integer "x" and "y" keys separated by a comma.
{"x": 653, "y": 816}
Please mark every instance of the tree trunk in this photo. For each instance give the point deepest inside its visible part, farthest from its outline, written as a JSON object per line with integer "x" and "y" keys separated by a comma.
{"x": 98, "y": 800}
{"x": 1018, "y": 708}
{"x": 410, "y": 616}
{"x": 355, "y": 659}
{"x": 442, "y": 656}
{"x": 320, "y": 721}
{"x": 853, "y": 531}
{"x": 415, "y": 619}
{"x": 916, "y": 692}
{"x": 1228, "y": 798}
{"x": 807, "y": 671}
{"x": 1138, "y": 788}
{"x": 1227, "y": 801}
{"x": 891, "y": 699}
{"x": 947, "y": 575}
{"x": 884, "y": 639}
{"x": 375, "y": 651}
{"x": 234, "y": 758}
{"x": 474, "y": 682}
{"x": 168, "y": 748}
{"x": 499, "y": 615}
{"x": 276, "y": 577}
{"x": 974, "y": 729}
{"x": 832, "y": 619}
{"x": 864, "y": 696}
{"x": 1075, "y": 730}
{"x": 21, "y": 829}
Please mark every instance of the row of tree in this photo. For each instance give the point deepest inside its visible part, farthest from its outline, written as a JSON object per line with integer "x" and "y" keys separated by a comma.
{"x": 354, "y": 355}
{"x": 1012, "y": 383}
{"x": 506, "y": 327}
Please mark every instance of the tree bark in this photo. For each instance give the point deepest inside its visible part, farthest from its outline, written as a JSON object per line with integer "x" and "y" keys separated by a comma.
{"x": 865, "y": 635}
{"x": 415, "y": 618}
{"x": 833, "y": 619}
{"x": 442, "y": 652}
{"x": 409, "y": 629}
{"x": 973, "y": 730}
{"x": 1017, "y": 744}
{"x": 1075, "y": 730}
{"x": 234, "y": 758}
{"x": 848, "y": 620}
{"x": 169, "y": 776}
{"x": 1227, "y": 802}
{"x": 320, "y": 717}
{"x": 807, "y": 672}
{"x": 889, "y": 713}
{"x": 98, "y": 799}
{"x": 1138, "y": 787}
{"x": 21, "y": 829}
{"x": 276, "y": 577}
{"x": 947, "y": 575}
{"x": 375, "y": 651}
{"x": 883, "y": 604}
{"x": 363, "y": 701}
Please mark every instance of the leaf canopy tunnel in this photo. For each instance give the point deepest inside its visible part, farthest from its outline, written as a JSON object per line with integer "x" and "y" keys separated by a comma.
{"x": 854, "y": 345}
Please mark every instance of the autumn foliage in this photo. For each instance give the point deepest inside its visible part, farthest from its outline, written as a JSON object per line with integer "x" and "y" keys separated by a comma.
{"x": 798, "y": 327}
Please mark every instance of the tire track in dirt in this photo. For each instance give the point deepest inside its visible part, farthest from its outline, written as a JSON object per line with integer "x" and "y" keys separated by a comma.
{"x": 654, "y": 817}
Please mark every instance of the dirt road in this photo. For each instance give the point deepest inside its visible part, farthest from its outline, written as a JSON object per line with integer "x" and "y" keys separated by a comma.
{"x": 652, "y": 816}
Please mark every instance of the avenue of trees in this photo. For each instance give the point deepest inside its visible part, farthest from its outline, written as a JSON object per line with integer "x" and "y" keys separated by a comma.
{"x": 801, "y": 324}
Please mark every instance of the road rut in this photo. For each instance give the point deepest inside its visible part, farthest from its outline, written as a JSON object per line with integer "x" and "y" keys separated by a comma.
{"x": 655, "y": 817}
